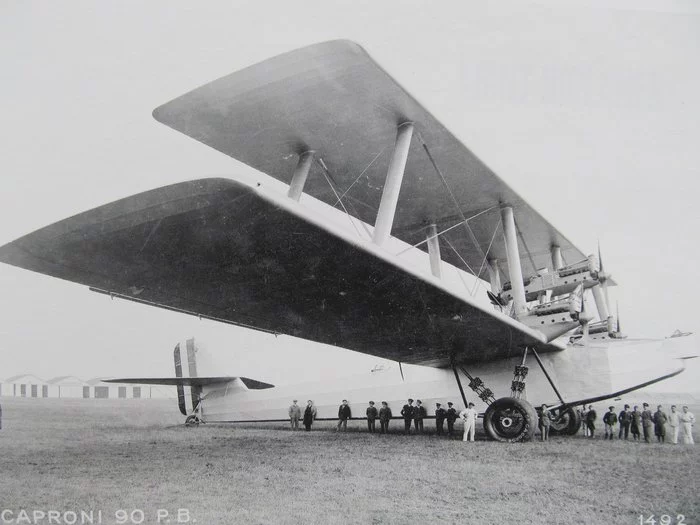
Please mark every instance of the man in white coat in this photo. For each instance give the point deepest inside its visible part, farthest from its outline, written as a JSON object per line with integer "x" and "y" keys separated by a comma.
{"x": 468, "y": 415}
{"x": 674, "y": 421}
{"x": 687, "y": 421}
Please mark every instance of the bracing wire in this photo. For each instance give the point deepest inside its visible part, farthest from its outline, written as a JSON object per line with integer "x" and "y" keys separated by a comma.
{"x": 360, "y": 175}
{"x": 326, "y": 175}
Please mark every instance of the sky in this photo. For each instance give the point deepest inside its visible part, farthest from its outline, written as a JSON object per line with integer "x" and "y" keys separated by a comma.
{"x": 589, "y": 110}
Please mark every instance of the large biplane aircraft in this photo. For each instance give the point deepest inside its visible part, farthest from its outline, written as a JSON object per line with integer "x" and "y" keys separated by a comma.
{"x": 371, "y": 177}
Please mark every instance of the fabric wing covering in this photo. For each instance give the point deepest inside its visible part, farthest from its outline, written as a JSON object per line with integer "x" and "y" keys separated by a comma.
{"x": 220, "y": 249}
{"x": 334, "y": 99}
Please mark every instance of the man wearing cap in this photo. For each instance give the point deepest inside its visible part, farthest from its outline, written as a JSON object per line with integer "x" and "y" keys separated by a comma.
{"x": 610, "y": 420}
{"x": 636, "y": 417}
{"x": 625, "y": 419}
{"x": 418, "y": 414}
{"x": 468, "y": 415}
{"x": 372, "y": 414}
{"x": 343, "y": 415}
{"x": 674, "y": 421}
{"x": 660, "y": 419}
{"x": 294, "y": 415}
{"x": 440, "y": 414}
{"x": 647, "y": 422}
{"x": 451, "y": 417}
{"x": 407, "y": 413}
{"x": 384, "y": 417}
{"x": 687, "y": 421}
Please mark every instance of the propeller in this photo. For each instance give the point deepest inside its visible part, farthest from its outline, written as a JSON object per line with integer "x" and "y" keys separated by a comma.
{"x": 584, "y": 318}
{"x": 603, "y": 278}
{"x": 617, "y": 307}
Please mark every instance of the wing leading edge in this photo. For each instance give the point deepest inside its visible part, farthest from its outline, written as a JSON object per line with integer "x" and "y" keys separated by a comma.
{"x": 226, "y": 251}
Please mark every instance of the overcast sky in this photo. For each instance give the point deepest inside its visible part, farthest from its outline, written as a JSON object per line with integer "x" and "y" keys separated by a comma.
{"x": 590, "y": 112}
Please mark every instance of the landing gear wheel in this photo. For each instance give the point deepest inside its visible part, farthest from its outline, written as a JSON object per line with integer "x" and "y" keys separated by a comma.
{"x": 192, "y": 421}
{"x": 565, "y": 423}
{"x": 510, "y": 420}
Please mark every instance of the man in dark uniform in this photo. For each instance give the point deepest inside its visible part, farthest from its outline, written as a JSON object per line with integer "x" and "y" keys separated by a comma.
{"x": 407, "y": 413}
{"x": 343, "y": 415}
{"x": 440, "y": 414}
{"x": 625, "y": 419}
{"x": 451, "y": 417}
{"x": 591, "y": 416}
{"x": 647, "y": 422}
{"x": 660, "y": 419}
{"x": 418, "y": 414}
{"x": 372, "y": 414}
{"x": 384, "y": 417}
{"x": 610, "y": 420}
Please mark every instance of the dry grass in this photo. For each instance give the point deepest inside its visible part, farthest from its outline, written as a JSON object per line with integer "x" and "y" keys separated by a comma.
{"x": 108, "y": 455}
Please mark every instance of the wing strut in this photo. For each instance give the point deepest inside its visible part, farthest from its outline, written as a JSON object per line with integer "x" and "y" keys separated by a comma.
{"x": 392, "y": 185}
{"x": 296, "y": 187}
{"x": 459, "y": 384}
{"x": 551, "y": 382}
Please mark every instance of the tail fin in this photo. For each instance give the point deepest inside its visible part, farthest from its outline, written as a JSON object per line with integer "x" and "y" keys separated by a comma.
{"x": 195, "y": 390}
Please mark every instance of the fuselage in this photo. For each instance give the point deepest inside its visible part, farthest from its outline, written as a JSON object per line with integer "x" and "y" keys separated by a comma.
{"x": 599, "y": 368}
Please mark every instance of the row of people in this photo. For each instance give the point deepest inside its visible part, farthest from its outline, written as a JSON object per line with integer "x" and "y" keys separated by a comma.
{"x": 411, "y": 414}
{"x": 641, "y": 423}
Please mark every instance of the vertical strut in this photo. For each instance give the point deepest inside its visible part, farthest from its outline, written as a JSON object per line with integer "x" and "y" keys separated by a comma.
{"x": 514, "y": 269}
{"x": 434, "y": 251}
{"x": 296, "y": 187}
{"x": 556, "y": 258}
{"x": 600, "y": 302}
{"x": 392, "y": 184}
{"x": 494, "y": 276}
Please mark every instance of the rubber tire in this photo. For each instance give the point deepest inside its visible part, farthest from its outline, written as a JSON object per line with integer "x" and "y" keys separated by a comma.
{"x": 192, "y": 421}
{"x": 569, "y": 425}
{"x": 522, "y": 429}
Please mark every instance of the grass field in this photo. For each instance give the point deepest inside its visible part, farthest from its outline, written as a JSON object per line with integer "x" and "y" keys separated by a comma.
{"x": 108, "y": 455}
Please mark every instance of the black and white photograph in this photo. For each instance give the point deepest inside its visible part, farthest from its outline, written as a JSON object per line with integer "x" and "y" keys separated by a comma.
{"x": 345, "y": 262}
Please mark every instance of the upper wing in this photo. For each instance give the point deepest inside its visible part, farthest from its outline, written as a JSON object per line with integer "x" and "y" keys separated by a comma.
{"x": 334, "y": 99}
{"x": 218, "y": 248}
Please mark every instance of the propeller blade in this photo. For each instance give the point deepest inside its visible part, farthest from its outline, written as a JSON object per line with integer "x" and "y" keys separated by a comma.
{"x": 600, "y": 257}
{"x": 617, "y": 305}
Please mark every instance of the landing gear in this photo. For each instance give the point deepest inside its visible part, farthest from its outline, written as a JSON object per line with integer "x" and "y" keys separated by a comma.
{"x": 510, "y": 420}
{"x": 192, "y": 421}
{"x": 565, "y": 423}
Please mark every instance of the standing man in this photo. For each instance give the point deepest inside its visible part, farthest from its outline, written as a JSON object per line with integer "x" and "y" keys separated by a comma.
{"x": 636, "y": 418}
{"x": 610, "y": 420}
{"x": 384, "y": 417}
{"x": 674, "y": 420}
{"x": 309, "y": 415}
{"x": 343, "y": 415}
{"x": 407, "y": 413}
{"x": 591, "y": 416}
{"x": 687, "y": 422}
{"x": 583, "y": 413}
{"x": 468, "y": 415}
{"x": 625, "y": 419}
{"x": 545, "y": 422}
{"x": 647, "y": 422}
{"x": 418, "y": 414}
{"x": 660, "y": 419}
{"x": 372, "y": 414}
{"x": 294, "y": 415}
{"x": 451, "y": 417}
{"x": 440, "y": 414}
